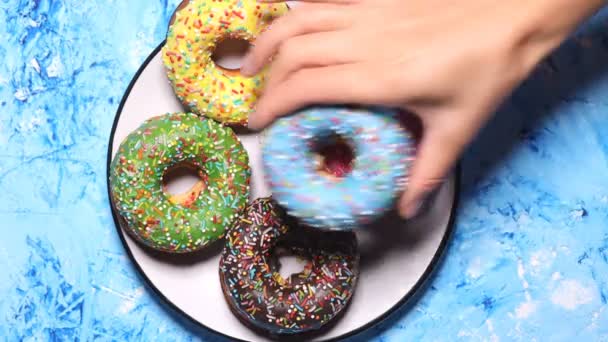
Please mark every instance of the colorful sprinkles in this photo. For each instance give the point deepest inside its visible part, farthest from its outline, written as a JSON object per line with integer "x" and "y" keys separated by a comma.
{"x": 304, "y": 302}
{"x": 207, "y": 89}
{"x": 180, "y": 223}
{"x": 383, "y": 152}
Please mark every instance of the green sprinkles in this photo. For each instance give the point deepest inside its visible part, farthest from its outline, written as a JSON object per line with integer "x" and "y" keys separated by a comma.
{"x": 188, "y": 222}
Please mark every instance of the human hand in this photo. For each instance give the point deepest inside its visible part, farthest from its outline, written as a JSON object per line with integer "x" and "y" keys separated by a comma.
{"x": 450, "y": 62}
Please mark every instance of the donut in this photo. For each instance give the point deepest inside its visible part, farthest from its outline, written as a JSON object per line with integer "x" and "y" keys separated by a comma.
{"x": 186, "y": 223}
{"x": 303, "y": 303}
{"x": 195, "y": 31}
{"x": 381, "y": 152}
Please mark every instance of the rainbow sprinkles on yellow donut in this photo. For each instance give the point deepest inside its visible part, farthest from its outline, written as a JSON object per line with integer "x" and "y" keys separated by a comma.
{"x": 201, "y": 85}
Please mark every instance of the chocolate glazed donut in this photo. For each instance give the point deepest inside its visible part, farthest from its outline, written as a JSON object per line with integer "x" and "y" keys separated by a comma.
{"x": 302, "y": 303}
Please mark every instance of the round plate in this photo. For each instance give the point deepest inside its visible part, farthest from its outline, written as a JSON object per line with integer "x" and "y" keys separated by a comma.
{"x": 396, "y": 255}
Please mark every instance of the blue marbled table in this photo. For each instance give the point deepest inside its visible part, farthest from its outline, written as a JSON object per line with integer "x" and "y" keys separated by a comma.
{"x": 529, "y": 259}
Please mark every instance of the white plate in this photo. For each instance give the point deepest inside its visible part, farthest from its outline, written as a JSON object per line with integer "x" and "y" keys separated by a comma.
{"x": 396, "y": 256}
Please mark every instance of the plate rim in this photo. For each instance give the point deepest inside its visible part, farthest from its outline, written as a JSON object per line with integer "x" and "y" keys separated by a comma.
{"x": 412, "y": 294}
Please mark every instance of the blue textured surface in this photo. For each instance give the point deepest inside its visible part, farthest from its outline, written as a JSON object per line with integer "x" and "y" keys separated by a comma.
{"x": 380, "y": 169}
{"x": 529, "y": 259}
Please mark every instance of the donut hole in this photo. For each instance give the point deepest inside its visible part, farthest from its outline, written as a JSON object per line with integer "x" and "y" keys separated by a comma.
{"x": 334, "y": 155}
{"x": 183, "y": 183}
{"x": 289, "y": 263}
{"x": 229, "y": 53}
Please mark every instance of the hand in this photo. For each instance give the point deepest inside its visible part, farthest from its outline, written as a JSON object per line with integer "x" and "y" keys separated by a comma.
{"x": 450, "y": 62}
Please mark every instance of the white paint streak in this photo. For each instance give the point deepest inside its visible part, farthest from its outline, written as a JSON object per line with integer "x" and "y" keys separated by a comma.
{"x": 521, "y": 272}
{"x": 569, "y": 294}
{"x": 556, "y": 276}
{"x": 34, "y": 64}
{"x": 577, "y": 214}
{"x": 29, "y": 124}
{"x": 493, "y": 336}
{"x": 541, "y": 259}
{"x": 26, "y": 126}
{"x": 594, "y": 319}
{"x": 3, "y": 139}
{"x": 22, "y": 94}
{"x": 129, "y": 303}
{"x": 33, "y": 23}
{"x": 116, "y": 293}
{"x": 140, "y": 49}
{"x": 528, "y": 307}
{"x": 474, "y": 270}
{"x": 55, "y": 69}
{"x": 535, "y": 260}
{"x": 525, "y": 309}
{"x": 523, "y": 219}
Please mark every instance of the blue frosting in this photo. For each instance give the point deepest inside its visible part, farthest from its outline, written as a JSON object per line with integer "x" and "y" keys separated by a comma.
{"x": 382, "y": 149}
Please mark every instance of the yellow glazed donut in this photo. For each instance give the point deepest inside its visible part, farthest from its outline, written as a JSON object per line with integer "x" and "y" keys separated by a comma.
{"x": 195, "y": 30}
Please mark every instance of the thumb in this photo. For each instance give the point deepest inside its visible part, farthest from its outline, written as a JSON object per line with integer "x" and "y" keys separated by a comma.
{"x": 436, "y": 154}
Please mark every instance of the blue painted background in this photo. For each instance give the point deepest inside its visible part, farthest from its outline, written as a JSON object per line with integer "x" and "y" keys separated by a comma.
{"x": 529, "y": 260}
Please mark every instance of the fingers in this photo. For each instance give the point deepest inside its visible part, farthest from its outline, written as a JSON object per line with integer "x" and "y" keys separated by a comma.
{"x": 437, "y": 153}
{"x": 320, "y": 18}
{"x": 312, "y": 50}
{"x": 346, "y": 83}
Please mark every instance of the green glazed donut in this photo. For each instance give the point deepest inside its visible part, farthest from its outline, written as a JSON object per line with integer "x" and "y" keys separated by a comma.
{"x": 188, "y": 222}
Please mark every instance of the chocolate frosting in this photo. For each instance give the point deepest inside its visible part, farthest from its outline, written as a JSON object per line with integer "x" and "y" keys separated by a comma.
{"x": 304, "y": 302}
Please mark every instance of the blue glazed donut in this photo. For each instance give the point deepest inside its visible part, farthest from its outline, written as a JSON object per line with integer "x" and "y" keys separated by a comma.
{"x": 382, "y": 153}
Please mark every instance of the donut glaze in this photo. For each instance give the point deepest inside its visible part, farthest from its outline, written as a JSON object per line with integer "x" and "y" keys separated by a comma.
{"x": 188, "y": 222}
{"x": 304, "y": 302}
{"x": 201, "y": 85}
{"x": 382, "y": 153}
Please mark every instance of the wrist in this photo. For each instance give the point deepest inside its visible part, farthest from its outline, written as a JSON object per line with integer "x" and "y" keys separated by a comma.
{"x": 545, "y": 24}
{"x": 550, "y": 22}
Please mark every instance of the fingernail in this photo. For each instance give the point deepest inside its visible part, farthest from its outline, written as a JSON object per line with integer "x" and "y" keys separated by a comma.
{"x": 252, "y": 122}
{"x": 247, "y": 67}
{"x": 412, "y": 209}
